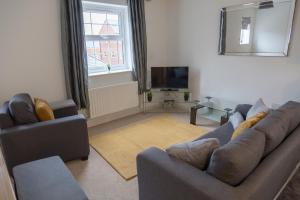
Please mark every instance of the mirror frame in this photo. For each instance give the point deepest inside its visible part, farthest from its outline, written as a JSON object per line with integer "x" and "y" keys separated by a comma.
{"x": 221, "y": 50}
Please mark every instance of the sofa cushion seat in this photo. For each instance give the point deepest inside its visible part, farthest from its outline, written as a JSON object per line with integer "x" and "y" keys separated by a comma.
{"x": 233, "y": 162}
{"x": 46, "y": 179}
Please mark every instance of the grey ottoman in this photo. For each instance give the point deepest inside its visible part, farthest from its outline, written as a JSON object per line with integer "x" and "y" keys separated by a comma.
{"x": 46, "y": 179}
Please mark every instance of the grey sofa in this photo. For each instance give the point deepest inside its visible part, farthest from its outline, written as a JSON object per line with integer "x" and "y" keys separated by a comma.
{"x": 165, "y": 178}
{"x": 66, "y": 136}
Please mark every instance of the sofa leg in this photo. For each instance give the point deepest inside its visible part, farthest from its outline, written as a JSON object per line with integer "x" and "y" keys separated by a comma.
{"x": 85, "y": 158}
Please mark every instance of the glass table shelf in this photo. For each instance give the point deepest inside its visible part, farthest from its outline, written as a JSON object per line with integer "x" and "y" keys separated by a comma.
{"x": 169, "y": 106}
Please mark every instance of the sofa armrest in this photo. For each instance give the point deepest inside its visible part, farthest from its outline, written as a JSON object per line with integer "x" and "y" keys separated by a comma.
{"x": 163, "y": 177}
{"x": 64, "y": 108}
{"x": 66, "y": 137}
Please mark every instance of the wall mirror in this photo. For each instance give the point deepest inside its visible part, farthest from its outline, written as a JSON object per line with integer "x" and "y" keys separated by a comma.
{"x": 257, "y": 29}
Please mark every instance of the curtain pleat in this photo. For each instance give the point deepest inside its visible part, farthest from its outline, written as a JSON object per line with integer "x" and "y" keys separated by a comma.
{"x": 74, "y": 52}
{"x": 139, "y": 42}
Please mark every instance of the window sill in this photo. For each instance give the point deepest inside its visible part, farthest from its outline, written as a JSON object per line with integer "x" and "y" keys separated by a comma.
{"x": 109, "y": 73}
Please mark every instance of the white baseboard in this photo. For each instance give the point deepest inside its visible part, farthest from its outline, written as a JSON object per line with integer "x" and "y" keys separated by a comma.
{"x": 114, "y": 116}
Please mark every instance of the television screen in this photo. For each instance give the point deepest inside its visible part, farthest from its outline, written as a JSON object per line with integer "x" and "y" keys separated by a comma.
{"x": 170, "y": 77}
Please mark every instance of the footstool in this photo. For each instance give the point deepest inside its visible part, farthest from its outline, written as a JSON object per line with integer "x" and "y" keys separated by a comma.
{"x": 46, "y": 179}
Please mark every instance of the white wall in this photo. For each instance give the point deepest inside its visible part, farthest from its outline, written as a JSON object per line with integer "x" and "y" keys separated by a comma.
{"x": 157, "y": 27}
{"x": 231, "y": 78}
{"x": 30, "y": 51}
{"x": 161, "y": 19}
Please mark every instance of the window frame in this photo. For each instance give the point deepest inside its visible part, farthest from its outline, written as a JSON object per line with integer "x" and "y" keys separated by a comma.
{"x": 122, "y": 12}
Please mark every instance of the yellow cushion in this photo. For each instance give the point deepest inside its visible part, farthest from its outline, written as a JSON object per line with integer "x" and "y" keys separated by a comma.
{"x": 248, "y": 124}
{"x": 43, "y": 110}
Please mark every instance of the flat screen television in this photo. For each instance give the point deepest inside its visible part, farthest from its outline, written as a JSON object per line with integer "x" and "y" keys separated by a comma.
{"x": 169, "y": 77}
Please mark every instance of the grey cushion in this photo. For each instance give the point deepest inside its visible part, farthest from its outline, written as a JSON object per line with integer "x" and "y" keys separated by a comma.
{"x": 22, "y": 109}
{"x": 223, "y": 134}
{"x": 46, "y": 179}
{"x": 196, "y": 153}
{"x": 291, "y": 112}
{"x": 233, "y": 162}
{"x": 5, "y": 118}
{"x": 275, "y": 128}
{"x": 243, "y": 109}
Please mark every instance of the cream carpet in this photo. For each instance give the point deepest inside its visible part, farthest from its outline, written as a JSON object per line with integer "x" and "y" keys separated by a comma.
{"x": 120, "y": 147}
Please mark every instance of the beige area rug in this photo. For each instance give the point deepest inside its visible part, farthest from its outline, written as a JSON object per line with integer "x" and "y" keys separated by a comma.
{"x": 120, "y": 147}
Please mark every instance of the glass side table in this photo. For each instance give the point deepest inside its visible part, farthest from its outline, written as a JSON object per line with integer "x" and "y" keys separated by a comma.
{"x": 209, "y": 110}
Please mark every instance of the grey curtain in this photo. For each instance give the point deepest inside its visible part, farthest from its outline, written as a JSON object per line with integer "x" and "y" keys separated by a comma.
{"x": 74, "y": 52}
{"x": 139, "y": 42}
{"x": 222, "y": 41}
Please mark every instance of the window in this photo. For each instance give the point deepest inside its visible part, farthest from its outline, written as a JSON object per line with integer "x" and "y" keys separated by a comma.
{"x": 107, "y": 38}
{"x": 245, "y": 31}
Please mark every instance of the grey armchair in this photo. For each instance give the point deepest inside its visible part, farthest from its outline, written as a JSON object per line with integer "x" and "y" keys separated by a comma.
{"x": 66, "y": 136}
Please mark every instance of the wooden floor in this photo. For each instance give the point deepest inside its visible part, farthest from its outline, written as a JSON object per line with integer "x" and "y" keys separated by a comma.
{"x": 6, "y": 188}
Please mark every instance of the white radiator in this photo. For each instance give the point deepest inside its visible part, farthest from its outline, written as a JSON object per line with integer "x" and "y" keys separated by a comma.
{"x": 112, "y": 99}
